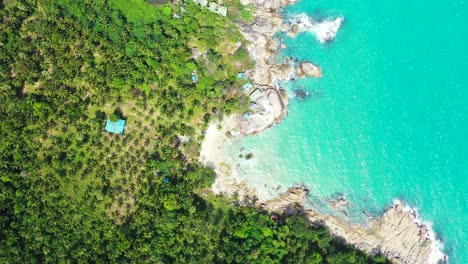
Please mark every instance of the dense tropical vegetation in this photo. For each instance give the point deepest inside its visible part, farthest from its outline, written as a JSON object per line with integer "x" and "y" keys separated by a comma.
{"x": 72, "y": 192}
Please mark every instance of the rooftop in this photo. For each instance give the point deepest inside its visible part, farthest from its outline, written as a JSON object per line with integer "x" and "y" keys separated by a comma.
{"x": 116, "y": 127}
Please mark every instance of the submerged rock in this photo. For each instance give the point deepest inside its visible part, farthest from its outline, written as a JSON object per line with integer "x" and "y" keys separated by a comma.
{"x": 301, "y": 94}
{"x": 249, "y": 156}
{"x": 340, "y": 202}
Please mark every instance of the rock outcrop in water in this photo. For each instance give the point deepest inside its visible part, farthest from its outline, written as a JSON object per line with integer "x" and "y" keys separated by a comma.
{"x": 292, "y": 31}
{"x": 307, "y": 69}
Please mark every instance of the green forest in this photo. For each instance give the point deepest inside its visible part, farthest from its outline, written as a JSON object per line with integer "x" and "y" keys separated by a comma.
{"x": 71, "y": 192}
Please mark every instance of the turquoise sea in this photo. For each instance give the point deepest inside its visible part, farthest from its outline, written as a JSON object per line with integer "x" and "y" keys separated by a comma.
{"x": 388, "y": 120}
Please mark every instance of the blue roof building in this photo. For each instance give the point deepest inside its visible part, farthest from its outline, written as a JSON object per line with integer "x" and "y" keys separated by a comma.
{"x": 194, "y": 78}
{"x": 116, "y": 127}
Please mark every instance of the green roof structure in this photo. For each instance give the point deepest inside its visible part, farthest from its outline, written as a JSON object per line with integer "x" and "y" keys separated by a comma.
{"x": 116, "y": 127}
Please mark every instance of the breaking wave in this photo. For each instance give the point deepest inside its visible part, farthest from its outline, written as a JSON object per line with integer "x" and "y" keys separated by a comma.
{"x": 324, "y": 30}
{"x": 436, "y": 255}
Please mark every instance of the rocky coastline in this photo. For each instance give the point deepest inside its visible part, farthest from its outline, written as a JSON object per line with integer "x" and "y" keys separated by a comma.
{"x": 270, "y": 107}
{"x": 397, "y": 233}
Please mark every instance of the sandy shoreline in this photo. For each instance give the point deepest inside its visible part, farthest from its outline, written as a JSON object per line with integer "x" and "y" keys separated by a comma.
{"x": 398, "y": 233}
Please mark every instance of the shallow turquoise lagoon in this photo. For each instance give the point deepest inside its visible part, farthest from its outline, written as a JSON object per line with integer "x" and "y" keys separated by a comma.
{"x": 387, "y": 121}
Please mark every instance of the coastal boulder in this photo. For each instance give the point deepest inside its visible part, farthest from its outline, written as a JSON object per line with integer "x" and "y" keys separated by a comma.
{"x": 276, "y": 102}
{"x": 281, "y": 72}
{"x": 293, "y": 30}
{"x": 275, "y": 4}
{"x": 285, "y": 27}
{"x": 290, "y": 202}
{"x": 307, "y": 69}
{"x": 268, "y": 109}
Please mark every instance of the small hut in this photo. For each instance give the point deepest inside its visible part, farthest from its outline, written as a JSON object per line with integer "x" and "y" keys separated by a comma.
{"x": 194, "y": 77}
{"x": 116, "y": 127}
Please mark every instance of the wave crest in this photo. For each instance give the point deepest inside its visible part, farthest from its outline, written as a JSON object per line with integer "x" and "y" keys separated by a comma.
{"x": 324, "y": 30}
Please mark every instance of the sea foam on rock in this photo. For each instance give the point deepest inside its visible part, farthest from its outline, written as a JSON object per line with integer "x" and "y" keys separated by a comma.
{"x": 324, "y": 30}
{"x": 436, "y": 255}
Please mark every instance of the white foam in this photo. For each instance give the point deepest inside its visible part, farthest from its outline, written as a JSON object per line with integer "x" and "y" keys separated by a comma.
{"x": 437, "y": 246}
{"x": 324, "y": 30}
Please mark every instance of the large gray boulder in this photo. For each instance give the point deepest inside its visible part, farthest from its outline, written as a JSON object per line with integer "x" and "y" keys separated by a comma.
{"x": 269, "y": 109}
{"x": 307, "y": 69}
